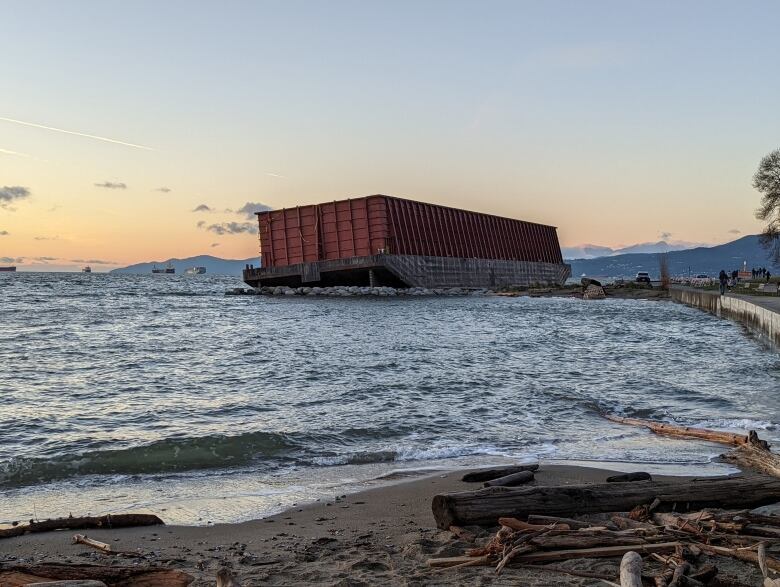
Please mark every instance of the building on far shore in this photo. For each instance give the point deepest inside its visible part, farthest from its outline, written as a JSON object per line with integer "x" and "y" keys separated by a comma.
{"x": 384, "y": 240}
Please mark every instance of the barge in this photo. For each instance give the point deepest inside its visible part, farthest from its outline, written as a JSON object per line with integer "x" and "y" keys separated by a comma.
{"x": 384, "y": 240}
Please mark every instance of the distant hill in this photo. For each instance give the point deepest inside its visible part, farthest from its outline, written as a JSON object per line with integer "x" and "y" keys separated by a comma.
{"x": 709, "y": 260}
{"x": 595, "y": 251}
{"x": 213, "y": 265}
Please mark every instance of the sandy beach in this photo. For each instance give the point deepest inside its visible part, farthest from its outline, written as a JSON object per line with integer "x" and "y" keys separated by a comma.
{"x": 381, "y": 536}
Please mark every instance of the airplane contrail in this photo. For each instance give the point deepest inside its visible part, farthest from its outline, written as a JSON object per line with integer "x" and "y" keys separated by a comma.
{"x": 78, "y": 134}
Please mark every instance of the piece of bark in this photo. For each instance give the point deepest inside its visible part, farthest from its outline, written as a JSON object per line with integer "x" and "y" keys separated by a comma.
{"x": 140, "y": 576}
{"x": 600, "y": 552}
{"x": 516, "y": 524}
{"x": 225, "y": 578}
{"x": 629, "y": 477}
{"x": 485, "y": 506}
{"x": 511, "y": 480}
{"x": 631, "y": 570}
{"x": 490, "y": 474}
{"x": 108, "y": 521}
{"x": 462, "y": 534}
{"x": 18, "y": 579}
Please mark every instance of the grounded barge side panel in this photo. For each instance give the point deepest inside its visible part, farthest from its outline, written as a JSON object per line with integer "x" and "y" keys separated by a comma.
{"x": 386, "y": 239}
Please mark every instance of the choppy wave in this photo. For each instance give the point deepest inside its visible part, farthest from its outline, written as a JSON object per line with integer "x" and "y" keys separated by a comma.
{"x": 164, "y": 456}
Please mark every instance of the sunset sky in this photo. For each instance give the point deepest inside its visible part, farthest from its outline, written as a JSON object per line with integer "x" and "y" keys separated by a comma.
{"x": 619, "y": 122}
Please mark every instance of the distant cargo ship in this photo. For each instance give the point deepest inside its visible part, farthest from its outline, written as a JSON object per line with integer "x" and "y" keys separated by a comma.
{"x": 10, "y": 269}
{"x": 167, "y": 269}
{"x": 87, "y": 269}
{"x": 195, "y": 271}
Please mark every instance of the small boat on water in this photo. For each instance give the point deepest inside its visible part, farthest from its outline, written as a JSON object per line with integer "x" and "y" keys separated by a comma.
{"x": 87, "y": 269}
{"x": 195, "y": 271}
{"x": 11, "y": 269}
{"x": 167, "y": 269}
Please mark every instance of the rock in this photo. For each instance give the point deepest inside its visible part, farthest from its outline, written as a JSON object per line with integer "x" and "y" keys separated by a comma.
{"x": 587, "y": 281}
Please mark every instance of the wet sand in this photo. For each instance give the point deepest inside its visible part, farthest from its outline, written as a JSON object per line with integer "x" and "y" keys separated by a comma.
{"x": 381, "y": 536}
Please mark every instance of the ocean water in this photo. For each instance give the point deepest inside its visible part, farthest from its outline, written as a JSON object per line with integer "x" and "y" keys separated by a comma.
{"x": 159, "y": 393}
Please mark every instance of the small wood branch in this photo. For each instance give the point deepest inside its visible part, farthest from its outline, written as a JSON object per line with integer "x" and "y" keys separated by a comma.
{"x": 489, "y": 474}
{"x": 456, "y": 561}
{"x": 516, "y": 524}
{"x": 601, "y": 552}
{"x": 511, "y": 480}
{"x": 89, "y": 522}
{"x": 631, "y": 570}
{"x": 101, "y": 546}
{"x": 69, "y": 583}
{"x": 559, "y": 522}
{"x": 743, "y": 555}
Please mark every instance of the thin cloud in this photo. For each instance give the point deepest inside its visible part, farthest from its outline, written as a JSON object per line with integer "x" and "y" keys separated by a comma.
{"x": 666, "y": 235}
{"x": 79, "y": 134}
{"x": 202, "y": 208}
{"x": 250, "y": 208}
{"x": 163, "y": 189}
{"x": 201, "y": 223}
{"x": 47, "y": 238}
{"x": 93, "y": 261}
{"x": 269, "y": 174}
{"x": 11, "y": 259}
{"x": 4, "y": 233}
{"x": 232, "y": 227}
{"x": 15, "y": 153}
{"x": 12, "y": 193}
{"x": 112, "y": 185}
{"x": 735, "y": 231}
{"x": 214, "y": 245}
{"x": 45, "y": 259}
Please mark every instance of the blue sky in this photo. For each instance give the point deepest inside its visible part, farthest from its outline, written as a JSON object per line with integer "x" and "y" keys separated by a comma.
{"x": 618, "y": 122}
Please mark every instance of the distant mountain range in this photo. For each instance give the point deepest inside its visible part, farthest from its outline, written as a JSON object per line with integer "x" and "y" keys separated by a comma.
{"x": 595, "y": 251}
{"x": 213, "y": 265}
{"x": 709, "y": 260}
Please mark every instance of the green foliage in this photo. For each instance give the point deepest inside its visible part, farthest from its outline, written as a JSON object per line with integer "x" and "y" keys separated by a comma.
{"x": 767, "y": 181}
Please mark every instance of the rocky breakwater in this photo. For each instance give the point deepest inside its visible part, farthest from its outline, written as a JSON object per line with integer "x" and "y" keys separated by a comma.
{"x": 355, "y": 291}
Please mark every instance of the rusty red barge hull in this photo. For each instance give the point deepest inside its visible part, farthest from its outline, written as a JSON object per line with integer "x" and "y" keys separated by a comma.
{"x": 384, "y": 240}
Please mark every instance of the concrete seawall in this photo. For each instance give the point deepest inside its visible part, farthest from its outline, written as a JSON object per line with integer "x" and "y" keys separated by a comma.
{"x": 760, "y": 314}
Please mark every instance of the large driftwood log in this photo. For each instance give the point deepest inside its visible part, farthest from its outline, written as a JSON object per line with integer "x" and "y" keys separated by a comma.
{"x": 485, "y": 506}
{"x": 108, "y": 521}
{"x": 750, "y": 452}
{"x": 126, "y": 576}
{"x": 686, "y": 431}
{"x": 489, "y": 474}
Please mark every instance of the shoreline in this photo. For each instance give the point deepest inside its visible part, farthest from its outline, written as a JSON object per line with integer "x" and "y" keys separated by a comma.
{"x": 381, "y": 535}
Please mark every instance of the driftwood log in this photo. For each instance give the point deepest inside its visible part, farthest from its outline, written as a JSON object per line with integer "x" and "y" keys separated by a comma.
{"x": 511, "y": 480}
{"x": 140, "y": 576}
{"x": 628, "y": 477}
{"x": 749, "y": 452}
{"x": 89, "y": 522}
{"x": 490, "y": 474}
{"x": 485, "y": 506}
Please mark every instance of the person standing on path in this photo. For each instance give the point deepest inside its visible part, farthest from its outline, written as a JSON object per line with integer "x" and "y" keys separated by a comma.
{"x": 723, "y": 278}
